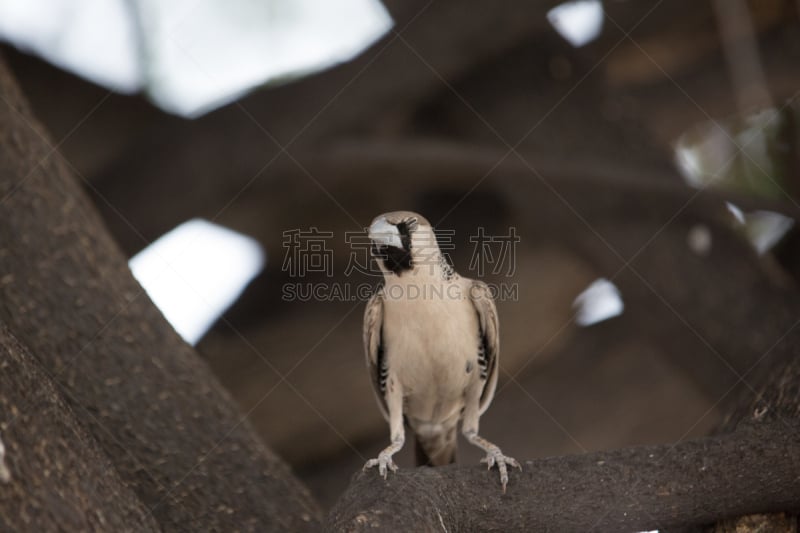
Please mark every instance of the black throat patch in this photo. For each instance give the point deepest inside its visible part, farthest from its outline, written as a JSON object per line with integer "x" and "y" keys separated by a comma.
{"x": 396, "y": 260}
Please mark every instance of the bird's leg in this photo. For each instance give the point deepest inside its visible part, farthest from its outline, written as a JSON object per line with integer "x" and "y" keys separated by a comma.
{"x": 384, "y": 459}
{"x": 394, "y": 403}
{"x": 494, "y": 456}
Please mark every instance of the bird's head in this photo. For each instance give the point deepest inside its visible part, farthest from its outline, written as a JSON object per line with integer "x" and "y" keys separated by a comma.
{"x": 402, "y": 240}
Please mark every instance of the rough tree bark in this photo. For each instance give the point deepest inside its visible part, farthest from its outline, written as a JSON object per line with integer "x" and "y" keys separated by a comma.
{"x": 59, "y": 476}
{"x": 635, "y": 489}
{"x": 108, "y": 417}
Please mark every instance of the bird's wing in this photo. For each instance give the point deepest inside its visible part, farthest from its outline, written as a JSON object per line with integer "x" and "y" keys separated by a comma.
{"x": 489, "y": 349}
{"x": 374, "y": 349}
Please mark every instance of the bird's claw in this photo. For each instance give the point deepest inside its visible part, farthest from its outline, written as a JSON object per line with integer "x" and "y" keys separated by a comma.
{"x": 495, "y": 457}
{"x": 384, "y": 463}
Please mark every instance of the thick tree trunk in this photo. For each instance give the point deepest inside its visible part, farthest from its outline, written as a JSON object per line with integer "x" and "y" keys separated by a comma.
{"x": 57, "y": 474}
{"x": 138, "y": 399}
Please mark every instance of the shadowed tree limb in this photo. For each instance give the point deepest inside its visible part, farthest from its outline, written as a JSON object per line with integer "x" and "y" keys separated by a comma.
{"x": 57, "y": 475}
{"x": 696, "y": 482}
{"x": 138, "y": 393}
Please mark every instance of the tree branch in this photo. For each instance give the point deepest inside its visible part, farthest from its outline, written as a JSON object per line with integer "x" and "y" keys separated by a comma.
{"x": 50, "y": 456}
{"x": 695, "y": 482}
{"x": 174, "y": 436}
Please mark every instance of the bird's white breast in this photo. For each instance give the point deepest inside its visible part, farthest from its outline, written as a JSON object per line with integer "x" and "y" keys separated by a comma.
{"x": 431, "y": 339}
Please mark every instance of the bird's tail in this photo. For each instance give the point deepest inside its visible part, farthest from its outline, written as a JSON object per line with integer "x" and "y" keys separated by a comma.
{"x": 436, "y": 449}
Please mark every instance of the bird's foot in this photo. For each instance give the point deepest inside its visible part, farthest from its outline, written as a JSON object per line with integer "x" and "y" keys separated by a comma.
{"x": 384, "y": 463}
{"x": 495, "y": 457}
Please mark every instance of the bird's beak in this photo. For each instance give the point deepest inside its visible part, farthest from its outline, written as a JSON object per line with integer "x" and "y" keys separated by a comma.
{"x": 383, "y": 233}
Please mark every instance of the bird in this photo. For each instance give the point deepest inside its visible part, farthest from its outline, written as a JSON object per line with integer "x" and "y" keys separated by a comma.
{"x": 432, "y": 345}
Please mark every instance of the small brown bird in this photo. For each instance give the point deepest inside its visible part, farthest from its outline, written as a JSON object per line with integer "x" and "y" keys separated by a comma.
{"x": 432, "y": 346}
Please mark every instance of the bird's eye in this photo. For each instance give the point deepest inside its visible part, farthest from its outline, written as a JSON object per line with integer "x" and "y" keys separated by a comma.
{"x": 411, "y": 222}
